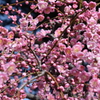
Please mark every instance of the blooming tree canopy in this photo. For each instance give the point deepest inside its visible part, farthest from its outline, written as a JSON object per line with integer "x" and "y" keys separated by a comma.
{"x": 61, "y": 60}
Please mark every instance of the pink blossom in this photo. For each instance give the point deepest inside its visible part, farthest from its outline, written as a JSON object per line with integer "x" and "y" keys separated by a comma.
{"x": 88, "y": 34}
{"x": 75, "y": 72}
{"x": 78, "y": 88}
{"x": 3, "y": 77}
{"x": 77, "y": 48}
{"x": 72, "y": 12}
{"x": 32, "y": 6}
{"x": 10, "y": 7}
{"x": 84, "y": 76}
{"x": 40, "y": 17}
{"x": 69, "y": 1}
{"x": 91, "y": 45}
{"x": 75, "y": 6}
{"x": 4, "y": 42}
{"x": 39, "y": 35}
{"x": 6, "y": 12}
{"x": 85, "y": 3}
{"x": 98, "y": 29}
{"x": 47, "y": 10}
{"x": 3, "y": 30}
{"x": 27, "y": 2}
{"x": 59, "y": 3}
{"x": 92, "y": 21}
{"x": 52, "y": 0}
{"x": 1, "y": 41}
{"x": 42, "y": 5}
{"x": 67, "y": 85}
{"x": 10, "y": 35}
{"x": 95, "y": 84}
{"x": 67, "y": 9}
{"x": 14, "y": 18}
{"x": 57, "y": 32}
{"x": 23, "y": 22}
{"x": 80, "y": 26}
{"x": 91, "y": 96}
{"x": 98, "y": 15}
{"x": 68, "y": 51}
{"x": 50, "y": 97}
{"x": 93, "y": 70}
{"x": 60, "y": 69}
{"x": 73, "y": 41}
{"x": 92, "y": 5}
{"x": 62, "y": 46}
{"x": 34, "y": 21}
{"x": 11, "y": 92}
{"x": 9, "y": 68}
{"x": 61, "y": 88}
{"x": 31, "y": 28}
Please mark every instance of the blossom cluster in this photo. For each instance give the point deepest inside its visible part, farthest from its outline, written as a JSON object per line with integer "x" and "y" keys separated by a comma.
{"x": 61, "y": 60}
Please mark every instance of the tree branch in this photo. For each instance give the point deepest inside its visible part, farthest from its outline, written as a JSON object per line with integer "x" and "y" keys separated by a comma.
{"x": 29, "y": 81}
{"x": 32, "y": 96}
{"x": 36, "y": 57}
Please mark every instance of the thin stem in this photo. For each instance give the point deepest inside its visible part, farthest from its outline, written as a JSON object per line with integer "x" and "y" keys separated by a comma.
{"x": 71, "y": 23}
{"x": 39, "y": 75}
{"x": 28, "y": 82}
{"x": 54, "y": 79}
{"x": 16, "y": 81}
{"x": 36, "y": 57}
{"x": 14, "y": 4}
{"x": 80, "y": 3}
{"x": 98, "y": 4}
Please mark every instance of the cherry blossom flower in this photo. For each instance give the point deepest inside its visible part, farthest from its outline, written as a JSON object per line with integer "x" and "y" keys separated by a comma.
{"x": 9, "y": 68}
{"x": 42, "y": 5}
{"x": 60, "y": 69}
{"x": 77, "y": 48}
{"x": 52, "y": 0}
{"x": 95, "y": 84}
{"x": 67, "y": 9}
{"x": 3, "y": 30}
{"x": 50, "y": 97}
{"x": 10, "y": 35}
{"x": 40, "y": 17}
{"x": 92, "y": 5}
{"x": 48, "y": 10}
{"x": 3, "y": 78}
{"x": 57, "y": 32}
{"x": 68, "y": 51}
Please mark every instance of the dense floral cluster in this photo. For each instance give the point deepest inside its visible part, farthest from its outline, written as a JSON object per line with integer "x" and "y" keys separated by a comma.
{"x": 61, "y": 61}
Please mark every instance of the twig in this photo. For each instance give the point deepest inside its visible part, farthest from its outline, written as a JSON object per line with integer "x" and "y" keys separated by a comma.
{"x": 32, "y": 96}
{"x": 13, "y": 4}
{"x": 15, "y": 81}
{"x": 72, "y": 21}
{"x": 39, "y": 75}
{"x": 54, "y": 79}
{"x": 36, "y": 57}
{"x": 29, "y": 81}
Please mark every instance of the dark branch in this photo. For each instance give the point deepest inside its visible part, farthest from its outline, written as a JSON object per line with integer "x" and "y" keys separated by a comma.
{"x": 32, "y": 96}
